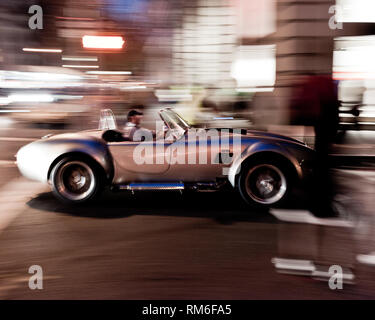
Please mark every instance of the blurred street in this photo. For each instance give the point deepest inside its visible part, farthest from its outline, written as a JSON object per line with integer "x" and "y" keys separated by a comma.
{"x": 113, "y": 71}
{"x": 165, "y": 245}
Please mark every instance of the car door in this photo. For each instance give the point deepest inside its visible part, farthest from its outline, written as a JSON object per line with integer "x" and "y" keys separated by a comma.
{"x": 139, "y": 161}
{"x": 195, "y": 158}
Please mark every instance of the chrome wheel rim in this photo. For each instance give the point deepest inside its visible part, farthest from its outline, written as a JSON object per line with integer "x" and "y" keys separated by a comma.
{"x": 75, "y": 180}
{"x": 265, "y": 184}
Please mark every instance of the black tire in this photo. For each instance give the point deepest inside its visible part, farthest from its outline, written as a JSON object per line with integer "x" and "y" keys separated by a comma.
{"x": 265, "y": 183}
{"x": 77, "y": 180}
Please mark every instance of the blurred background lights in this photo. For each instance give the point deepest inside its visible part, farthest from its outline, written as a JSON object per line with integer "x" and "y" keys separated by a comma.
{"x": 110, "y": 72}
{"x": 255, "y": 66}
{"x": 42, "y": 50}
{"x": 79, "y": 58}
{"x": 102, "y": 42}
{"x": 79, "y": 66}
{"x": 355, "y": 10}
{"x": 30, "y": 98}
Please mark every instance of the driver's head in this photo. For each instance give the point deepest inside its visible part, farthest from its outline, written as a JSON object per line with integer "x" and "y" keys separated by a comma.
{"x": 135, "y": 116}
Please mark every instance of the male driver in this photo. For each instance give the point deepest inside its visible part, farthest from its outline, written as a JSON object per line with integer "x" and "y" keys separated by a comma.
{"x": 133, "y": 131}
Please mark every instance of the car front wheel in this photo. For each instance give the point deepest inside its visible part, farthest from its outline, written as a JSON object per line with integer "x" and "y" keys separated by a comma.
{"x": 264, "y": 184}
{"x": 75, "y": 180}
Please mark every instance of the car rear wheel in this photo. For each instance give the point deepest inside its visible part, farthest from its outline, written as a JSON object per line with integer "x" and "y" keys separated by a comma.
{"x": 76, "y": 180}
{"x": 264, "y": 184}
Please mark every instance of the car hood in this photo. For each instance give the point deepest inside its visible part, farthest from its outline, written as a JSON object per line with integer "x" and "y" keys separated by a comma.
{"x": 263, "y": 134}
{"x": 260, "y": 134}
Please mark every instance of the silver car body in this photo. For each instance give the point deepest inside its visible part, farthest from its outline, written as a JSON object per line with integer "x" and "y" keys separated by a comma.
{"x": 36, "y": 160}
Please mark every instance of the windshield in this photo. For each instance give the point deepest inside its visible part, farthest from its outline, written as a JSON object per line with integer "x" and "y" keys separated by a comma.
{"x": 174, "y": 122}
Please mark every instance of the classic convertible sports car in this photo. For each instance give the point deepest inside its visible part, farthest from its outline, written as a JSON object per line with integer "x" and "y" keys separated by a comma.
{"x": 262, "y": 166}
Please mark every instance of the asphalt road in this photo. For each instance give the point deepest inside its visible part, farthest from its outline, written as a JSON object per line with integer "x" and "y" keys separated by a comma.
{"x": 167, "y": 245}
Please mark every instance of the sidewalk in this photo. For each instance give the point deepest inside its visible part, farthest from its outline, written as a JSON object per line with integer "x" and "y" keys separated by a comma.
{"x": 309, "y": 246}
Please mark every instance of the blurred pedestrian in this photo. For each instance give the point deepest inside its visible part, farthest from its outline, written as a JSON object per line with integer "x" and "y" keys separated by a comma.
{"x": 317, "y": 104}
